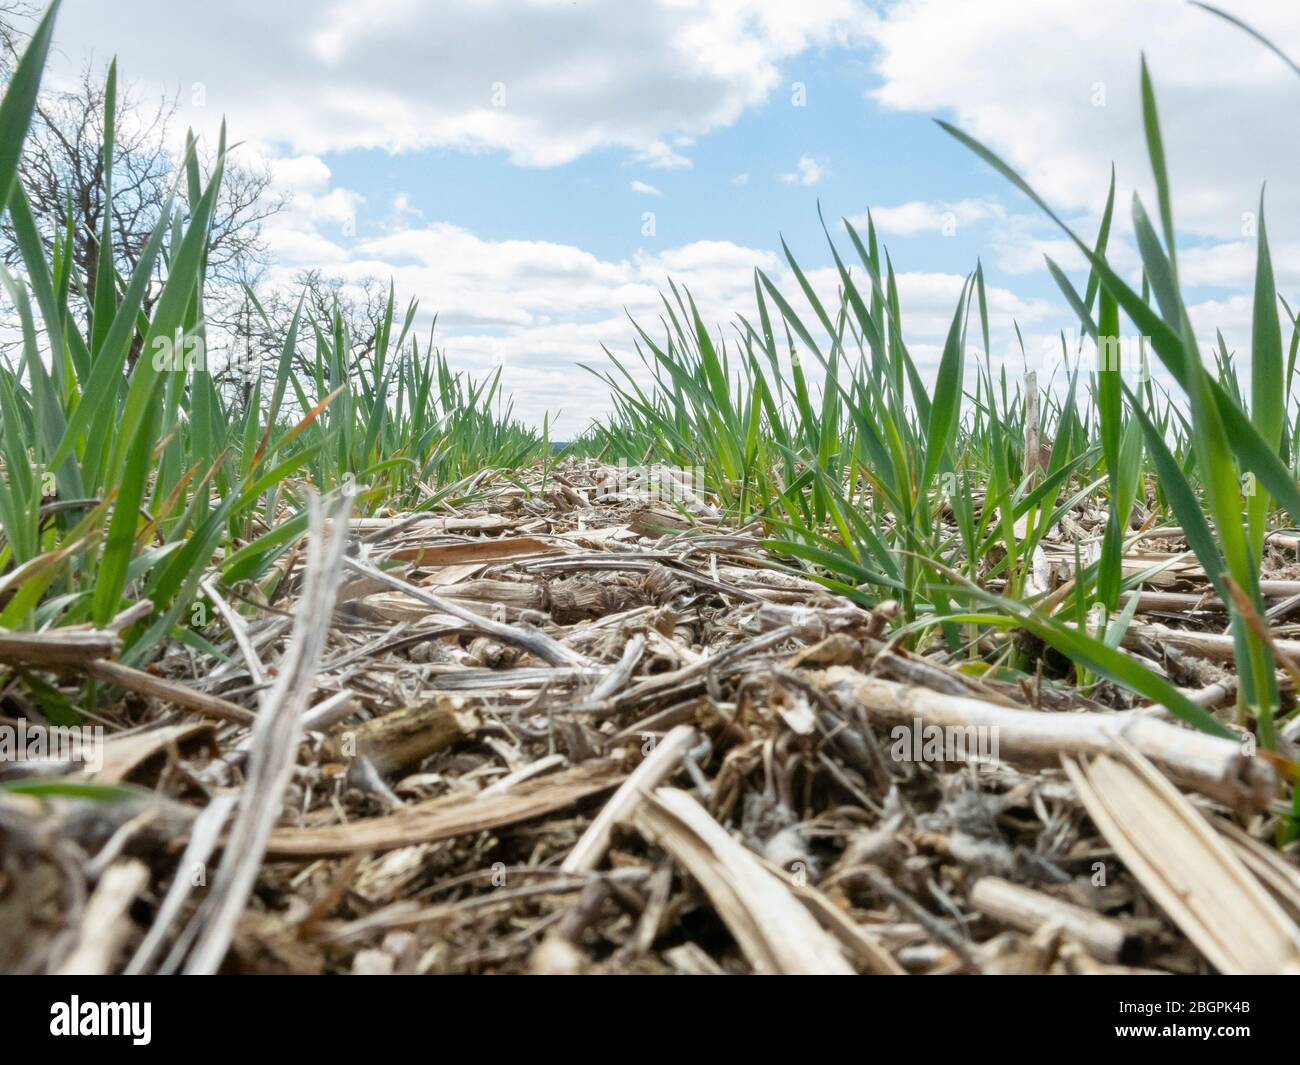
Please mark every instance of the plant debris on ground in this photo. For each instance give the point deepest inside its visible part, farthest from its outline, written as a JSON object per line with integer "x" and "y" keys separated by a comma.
{"x": 570, "y": 734}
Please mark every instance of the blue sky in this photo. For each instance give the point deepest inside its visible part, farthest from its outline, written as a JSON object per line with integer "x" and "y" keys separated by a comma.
{"x": 520, "y": 223}
{"x": 869, "y": 154}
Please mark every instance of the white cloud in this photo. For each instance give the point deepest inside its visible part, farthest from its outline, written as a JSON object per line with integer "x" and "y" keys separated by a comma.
{"x": 1231, "y": 264}
{"x": 644, "y": 189}
{"x": 806, "y": 172}
{"x": 659, "y": 155}
{"x": 402, "y": 205}
{"x": 317, "y": 209}
{"x": 300, "y": 174}
{"x": 741, "y": 179}
{"x": 544, "y": 80}
{"x": 535, "y": 308}
{"x": 1025, "y": 254}
{"x": 1231, "y": 316}
{"x": 919, "y": 216}
{"x": 1057, "y": 95}
{"x": 928, "y": 300}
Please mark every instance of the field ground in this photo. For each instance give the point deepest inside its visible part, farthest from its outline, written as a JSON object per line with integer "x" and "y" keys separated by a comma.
{"x": 577, "y": 731}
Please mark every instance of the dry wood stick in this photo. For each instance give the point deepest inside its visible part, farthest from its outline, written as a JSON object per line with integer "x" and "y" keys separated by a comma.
{"x": 57, "y": 648}
{"x": 1029, "y": 910}
{"x": 142, "y": 683}
{"x": 773, "y": 929}
{"x": 618, "y": 676}
{"x": 1216, "y": 767}
{"x": 105, "y": 926}
{"x": 1186, "y": 867}
{"x": 532, "y": 641}
{"x": 204, "y": 835}
{"x": 275, "y": 740}
{"x": 445, "y": 818}
{"x": 1215, "y": 646}
{"x": 84, "y": 650}
{"x": 658, "y": 766}
{"x": 238, "y": 630}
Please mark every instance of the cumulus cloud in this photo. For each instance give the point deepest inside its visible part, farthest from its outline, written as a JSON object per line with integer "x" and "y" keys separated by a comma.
{"x": 919, "y": 216}
{"x": 534, "y": 308}
{"x": 645, "y": 189}
{"x": 806, "y": 172}
{"x": 544, "y": 81}
{"x": 403, "y": 206}
{"x": 1223, "y": 99}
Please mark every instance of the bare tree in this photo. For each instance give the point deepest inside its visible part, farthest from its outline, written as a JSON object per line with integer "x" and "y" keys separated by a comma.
{"x": 62, "y": 170}
{"x": 360, "y": 304}
{"x": 13, "y": 15}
